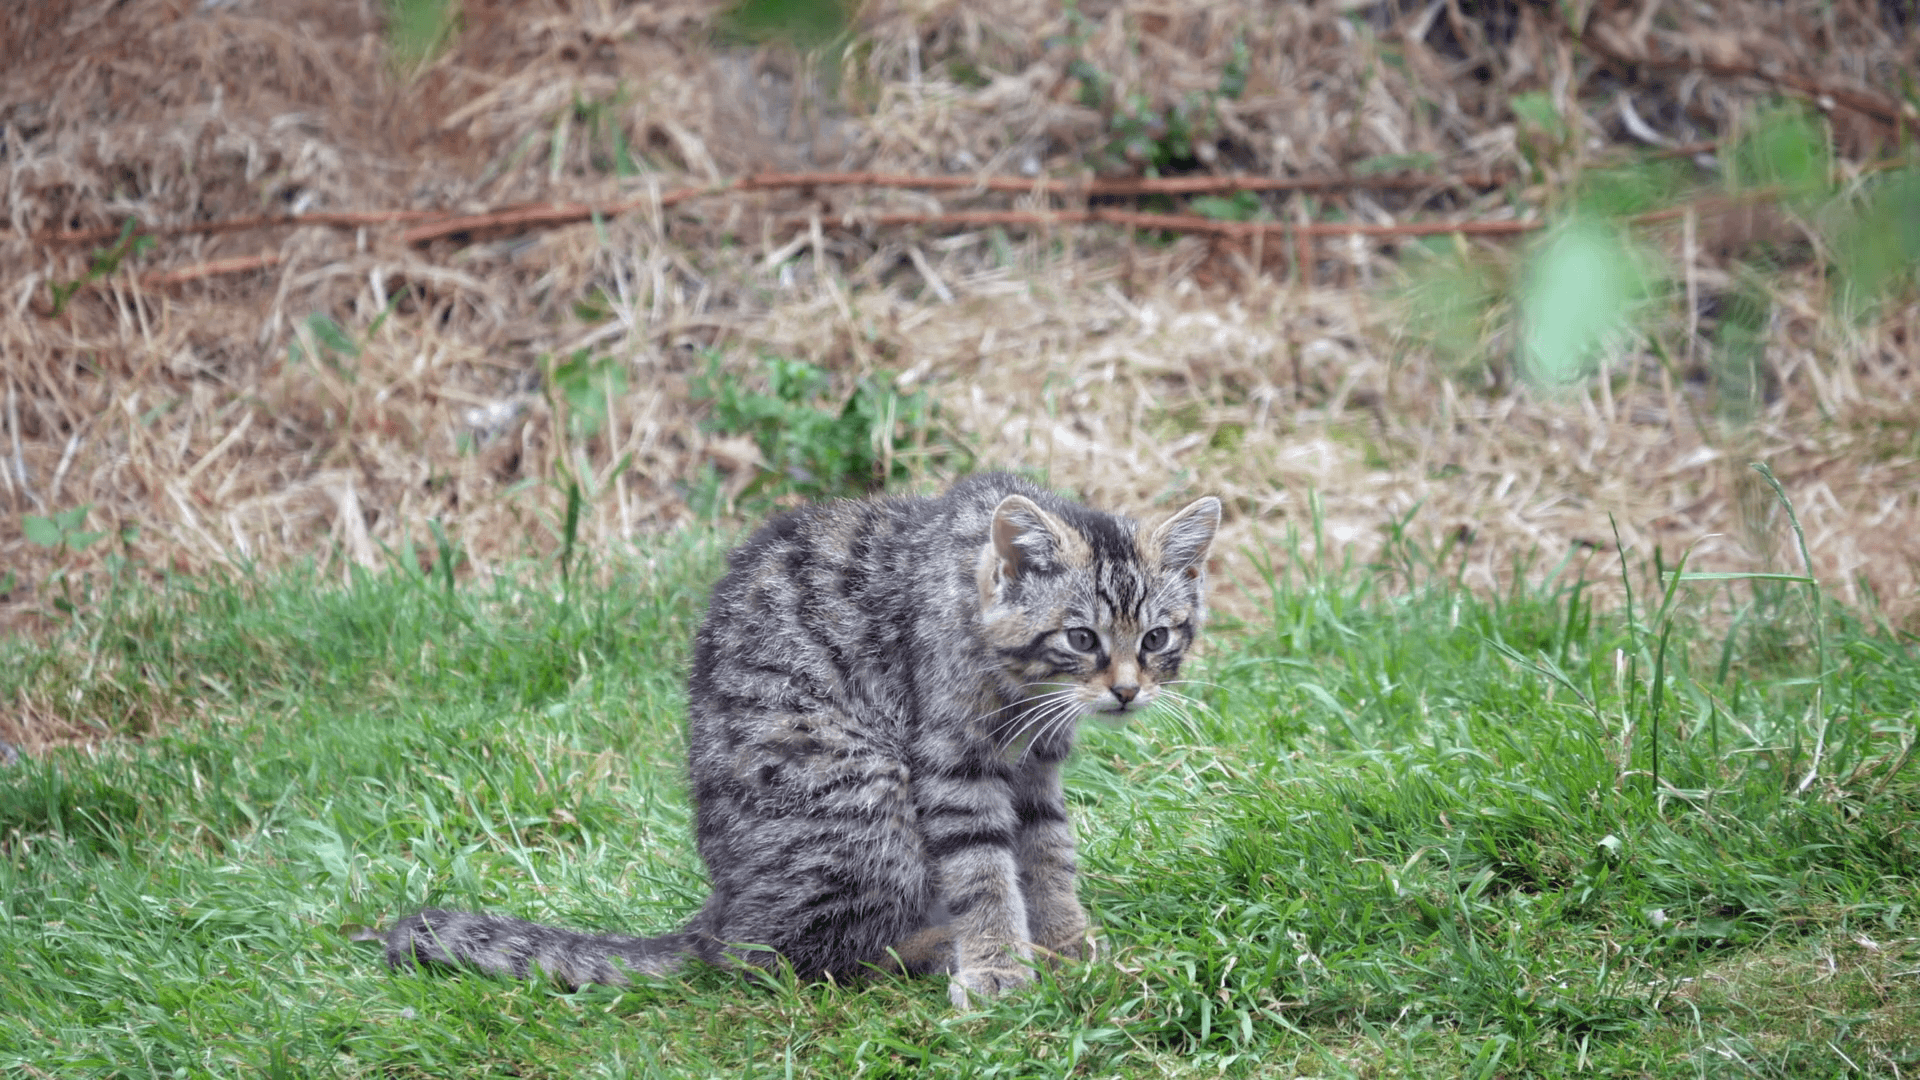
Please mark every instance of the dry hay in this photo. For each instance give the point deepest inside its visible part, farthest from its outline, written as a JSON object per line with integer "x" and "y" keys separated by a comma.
{"x": 1134, "y": 372}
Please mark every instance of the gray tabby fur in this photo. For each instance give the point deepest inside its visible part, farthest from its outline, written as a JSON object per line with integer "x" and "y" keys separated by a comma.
{"x": 881, "y": 698}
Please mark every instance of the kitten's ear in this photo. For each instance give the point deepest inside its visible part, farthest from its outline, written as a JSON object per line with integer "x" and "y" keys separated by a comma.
{"x": 1186, "y": 537}
{"x": 1026, "y": 537}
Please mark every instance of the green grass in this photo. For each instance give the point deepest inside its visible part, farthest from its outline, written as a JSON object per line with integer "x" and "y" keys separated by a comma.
{"x": 1414, "y": 832}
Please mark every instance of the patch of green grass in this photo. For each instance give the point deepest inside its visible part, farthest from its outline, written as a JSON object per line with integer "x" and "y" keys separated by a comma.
{"x": 1403, "y": 831}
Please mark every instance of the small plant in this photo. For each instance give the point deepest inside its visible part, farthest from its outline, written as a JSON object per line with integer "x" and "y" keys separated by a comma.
{"x": 62, "y": 531}
{"x": 1143, "y": 132}
{"x": 586, "y": 382}
{"x": 807, "y": 446}
{"x": 608, "y": 149}
{"x": 103, "y": 263}
{"x": 322, "y": 337}
{"x": 66, "y": 534}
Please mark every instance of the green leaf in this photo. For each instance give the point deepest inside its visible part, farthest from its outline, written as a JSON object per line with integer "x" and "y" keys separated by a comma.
{"x": 1578, "y": 290}
{"x": 41, "y": 531}
{"x": 69, "y": 520}
{"x": 804, "y": 24}
{"x": 83, "y": 541}
{"x": 1878, "y": 245}
{"x": 1786, "y": 148}
{"x": 1535, "y": 109}
{"x": 1241, "y": 206}
{"x": 1798, "y": 579}
{"x": 330, "y": 335}
{"x": 1392, "y": 163}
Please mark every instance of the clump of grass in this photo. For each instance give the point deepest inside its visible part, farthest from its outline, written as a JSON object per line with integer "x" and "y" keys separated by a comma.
{"x": 1398, "y": 828}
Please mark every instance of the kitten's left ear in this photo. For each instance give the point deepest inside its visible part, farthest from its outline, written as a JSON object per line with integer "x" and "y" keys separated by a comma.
{"x": 1026, "y": 538}
{"x": 1185, "y": 538}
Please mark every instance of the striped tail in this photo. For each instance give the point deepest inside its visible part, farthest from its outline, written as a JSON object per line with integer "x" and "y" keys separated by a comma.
{"x": 499, "y": 945}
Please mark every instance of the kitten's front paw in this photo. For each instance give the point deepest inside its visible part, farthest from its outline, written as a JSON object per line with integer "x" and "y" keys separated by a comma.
{"x": 986, "y": 981}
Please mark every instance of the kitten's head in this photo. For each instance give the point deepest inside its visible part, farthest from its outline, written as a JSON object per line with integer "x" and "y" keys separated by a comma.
{"x": 1088, "y": 607}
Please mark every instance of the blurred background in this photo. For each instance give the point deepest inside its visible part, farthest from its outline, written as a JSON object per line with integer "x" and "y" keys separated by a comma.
{"x": 457, "y": 283}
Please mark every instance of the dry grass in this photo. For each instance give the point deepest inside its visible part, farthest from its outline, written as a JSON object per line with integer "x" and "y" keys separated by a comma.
{"x": 1133, "y": 371}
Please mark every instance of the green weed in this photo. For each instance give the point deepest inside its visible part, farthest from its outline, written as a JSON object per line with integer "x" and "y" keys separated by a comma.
{"x": 812, "y": 447}
{"x": 102, "y": 263}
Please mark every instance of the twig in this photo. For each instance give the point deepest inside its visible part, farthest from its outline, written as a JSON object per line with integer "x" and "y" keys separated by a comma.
{"x": 1192, "y": 223}
{"x": 241, "y": 224}
{"x": 1140, "y": 185}
{"x": 434, "y": 224}
{"x": 551, "y": 214}
{"x": 573, "y": 213}
{"x": 237, "y": 264}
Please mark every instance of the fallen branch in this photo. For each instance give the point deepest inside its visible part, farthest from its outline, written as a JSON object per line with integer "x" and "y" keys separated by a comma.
{"x": 1189, "y": 223}
{"x": 1117, "y": 186}
{"x": 346, "y": 220}
{"x": 429, "y": 225}
{"x": 548, "y": 215}
{"x": 237, "y": 264}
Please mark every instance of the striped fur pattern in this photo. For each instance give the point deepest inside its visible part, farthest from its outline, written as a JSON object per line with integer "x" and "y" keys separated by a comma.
{"x": 881, "y": 698}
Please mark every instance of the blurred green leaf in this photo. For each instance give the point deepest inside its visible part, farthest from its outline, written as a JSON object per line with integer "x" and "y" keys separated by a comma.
{"x": 41, "y": 531}
{"x": 330, "y": 335}
{"x": 803, "y": 24}
{"x": 1451, "y": 298}
{"x": 1240, "y": 206}
{"x": 1784, "y": 148}
{"x": 1877, "y": 247}
{"x": 1578, "y": 289}
{"x": 1392, "y": 163}
{"x": 1535, "y": 109}
{"x": 418, "y": 29}
{"x": 587, "y": 382}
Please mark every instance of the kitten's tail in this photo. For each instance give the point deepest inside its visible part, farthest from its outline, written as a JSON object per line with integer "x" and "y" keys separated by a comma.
{"x": 499, "y": 945}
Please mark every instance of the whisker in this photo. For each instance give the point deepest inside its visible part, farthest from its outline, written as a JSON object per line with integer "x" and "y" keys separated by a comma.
{"x": 1038, "y": 702}
{"x": 1182, "y": 707}
{"x": 1058, "y": 716}
{"x": 1041, "y": 711}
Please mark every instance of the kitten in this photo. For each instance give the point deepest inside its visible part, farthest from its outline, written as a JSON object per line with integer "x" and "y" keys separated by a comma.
{"x": 881, "y": 697}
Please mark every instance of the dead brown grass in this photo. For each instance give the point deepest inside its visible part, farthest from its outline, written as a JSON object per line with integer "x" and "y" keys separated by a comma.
{"x": 1131, "y": 370}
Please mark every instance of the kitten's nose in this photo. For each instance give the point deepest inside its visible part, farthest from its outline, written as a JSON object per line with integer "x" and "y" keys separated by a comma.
{"x": 1126, "y": 694}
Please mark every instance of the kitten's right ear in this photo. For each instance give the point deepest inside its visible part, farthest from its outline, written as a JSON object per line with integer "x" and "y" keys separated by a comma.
{"x": 1025, "y": 537}
{"x": 1184, "y": 540}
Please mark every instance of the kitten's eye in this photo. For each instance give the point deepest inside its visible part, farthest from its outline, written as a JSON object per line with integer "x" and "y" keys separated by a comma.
{"x": 1083, "y": 640}
{"x": 1155, "y": 640}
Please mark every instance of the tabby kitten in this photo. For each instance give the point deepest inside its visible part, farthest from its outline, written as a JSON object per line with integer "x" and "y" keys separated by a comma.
{"x": 881, "y": 697}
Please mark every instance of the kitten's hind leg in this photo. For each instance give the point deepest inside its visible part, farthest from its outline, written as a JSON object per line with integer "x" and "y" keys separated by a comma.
{"x": 927, "y": 952}
{"x": 808, "y": 832}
